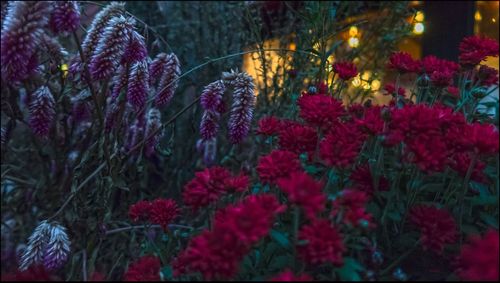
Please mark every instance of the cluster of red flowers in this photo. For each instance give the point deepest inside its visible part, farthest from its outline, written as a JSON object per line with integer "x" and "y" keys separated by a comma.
{"x": 302, "y": 190}
{"x": 479, "y": 259}
{"x": 277, "y": 164}
{"x": 320, "y": 110}
{"x": 403, "y": 63}
{"x": 324, "y": 243}
{"x": 216, "y": 253}
{"x": 146, "y": 268}
{"x": 474, "y": 49}
{"x": 269, "y": 126}
{"x": 440, "y": 71}
{"x": 158, "y": 211}
{"x": 437, "y": 227}
{"x": 210, "y": 184}
{"x": 342, "y": 144}
{"x": 350, "y": 205}
{"x": 297, "y": 138}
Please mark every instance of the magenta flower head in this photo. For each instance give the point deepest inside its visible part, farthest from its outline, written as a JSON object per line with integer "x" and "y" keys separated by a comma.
{"x": 42, "y": 111}
{"x": 119, "y": 81}
{"x": 153, "y": 124}
{"x": 110, "y": 48}
{"x": 243, "y": 104}
{"x": 138, "y": 85}
{"x": 211, "y": 101}
{"x": 98, "y": 25}
{"x": 157, "y": 67}
{"x": 22, "y": 31}
{"x": 65, "y": 17}
{"x": 136, "y": 49}
{"x": 168, "y": 82}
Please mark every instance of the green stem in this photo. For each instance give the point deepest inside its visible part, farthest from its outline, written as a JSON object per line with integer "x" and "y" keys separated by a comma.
{"x": 296, "y": 223}
{"x": 399, "y": 259}
{"x": 465, "y": 187}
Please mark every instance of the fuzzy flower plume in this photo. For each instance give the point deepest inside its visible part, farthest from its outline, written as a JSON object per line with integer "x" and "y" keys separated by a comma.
{"x": 65, "y": 16}
{"x": 119, "y": 81}
{"x": 153, "y": 123}
{"x": 110, "y": 48}
{"x": 324, "y": 243}
{"x": 48, "y": 245}
{"x": 98, "y": 27}
{"x": 241, "y": 113}
{"x": 437, "y": 227}
{"x": 138, "y": 85}
{"x": 212, "y": 103}
{"x": 22, "y": 31}
{"x": 302, "y": 190}
{"x": 136, "y": 49}
{"x": 146, "y": 268}
{"x": 168, "y": 80}
{"x": 42, "y": 111}
{"x": 54, "y": 49}
{"x": 157, "y": 67}
{"x": 479, "y": 258}
{"x": 58, "y": 248}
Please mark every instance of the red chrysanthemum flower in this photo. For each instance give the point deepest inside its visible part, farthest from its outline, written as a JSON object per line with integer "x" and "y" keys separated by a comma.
{"x": 482, "y": 138}
{"x": 437, "y": 227}
{"x": 487, "y": 76}
{"x": 206, "y": 187}
{"x": 146, "y": 268}
{"x": 363, "y": 180}
{"x": 461, "y": 162}
{"x": 390, "y": 89}
{"x": 140, "y": 211}
{"x": 269, "y": 126}
{"x": 403, "y": 63}
{"x": 345, "y": 70}
{"x": 251, "y": 219}
{"x": 372, "y": 122}
{"x": 215, "y": 254}
{"x": 297, "y": 138}
{"x": 351, "y": 206}
{"x": 238, "y": 184}
{"x": 474, "y": 49}
{"x": 324, "y": 243}
{"x": 163, "y": 212}
{"x": 288, "y": 276}
{"x": 341, "y": 145}
{"x": 320, "y": 110}
{"x": 277, "y": 164}
{"x": 479, "y": 260}
{"x": 33, "y": 273}
{"x": 440, "y": 71}
{"x": 429, "y": 153}
{"x": 302, "y": 190}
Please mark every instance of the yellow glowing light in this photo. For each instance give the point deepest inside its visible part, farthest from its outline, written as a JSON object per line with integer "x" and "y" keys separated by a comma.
{"x": 366, "y": 75}
{"x": 353, "y": 42}
{"x": 353, "y": 31}
{"x": 477, "y": 16}
{"x": 64, "y": 69}
{"x": 419, "y": 17}
{"x": 366, "y": 86}
{"x": 494, "y": 20}
{"x": 418, "y": 28}
{"x": 292, "y": 46}
{"x": 356, "y": 81}
{"x": 375, "y": 85}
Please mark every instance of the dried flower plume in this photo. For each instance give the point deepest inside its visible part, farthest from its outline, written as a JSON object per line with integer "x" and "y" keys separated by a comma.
{"x": 22, "y": 31}
{"x": 211, "y": 101}
{"x": 65, "y": 16}
{"x": 42, "y": 111}
{"x": 138, "y": 85}
{"x": 243, "y": 104}
{"x": 168, "y": 82}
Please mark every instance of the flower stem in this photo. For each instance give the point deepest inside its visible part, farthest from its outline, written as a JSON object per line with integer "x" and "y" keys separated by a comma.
{"x": 465, "y": 187}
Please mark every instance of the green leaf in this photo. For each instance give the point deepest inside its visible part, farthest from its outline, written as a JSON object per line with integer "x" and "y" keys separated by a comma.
{"x": 311, "y": 169}
{"x": 394, "y": 215}
{"x": 349, "y": 272}
{"x": 166, "y": 273}
{"x": 281, "y": 238}
{"x": 489, "y": 219}
{"x": 280, "y": 262}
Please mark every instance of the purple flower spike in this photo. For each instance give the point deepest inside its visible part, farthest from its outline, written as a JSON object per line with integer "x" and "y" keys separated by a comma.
{"x": 42, "y": 111}
{"x": 65, "y": 17}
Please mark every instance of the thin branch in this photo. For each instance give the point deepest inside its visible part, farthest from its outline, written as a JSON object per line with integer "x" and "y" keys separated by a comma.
{"x": 117, "y": 230}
